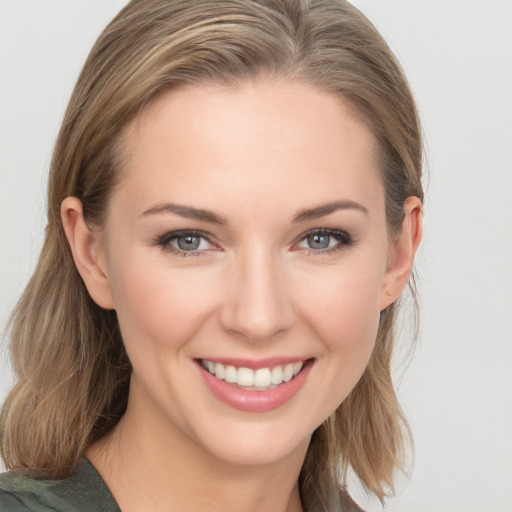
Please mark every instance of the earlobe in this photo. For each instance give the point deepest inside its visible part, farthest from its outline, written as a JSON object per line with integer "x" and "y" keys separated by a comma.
{"x": 402, "y": 252}
{"x": 87, "y": 250}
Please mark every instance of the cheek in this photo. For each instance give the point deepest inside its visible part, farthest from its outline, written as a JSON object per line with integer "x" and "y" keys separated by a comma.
{"x": 346, "y": 301}
{"x": 343, "y": 310}
{"x": 158, "y": 309}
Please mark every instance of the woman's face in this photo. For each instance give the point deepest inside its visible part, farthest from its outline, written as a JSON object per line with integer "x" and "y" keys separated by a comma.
{"x": 247, "y": 239}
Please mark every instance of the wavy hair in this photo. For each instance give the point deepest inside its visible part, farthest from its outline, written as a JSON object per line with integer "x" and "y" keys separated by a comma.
{"x": 67, "y": 353}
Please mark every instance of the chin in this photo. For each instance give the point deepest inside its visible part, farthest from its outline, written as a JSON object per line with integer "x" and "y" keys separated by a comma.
{"x": 256, "y": 446}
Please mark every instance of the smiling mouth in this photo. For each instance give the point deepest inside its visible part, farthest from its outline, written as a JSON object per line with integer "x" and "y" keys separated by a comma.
{"x": 261, "y": 379}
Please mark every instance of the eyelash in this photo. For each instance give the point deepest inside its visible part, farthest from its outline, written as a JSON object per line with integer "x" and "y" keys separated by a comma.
{"x": 343, "y": 238}
{"x": 165, "y": 242}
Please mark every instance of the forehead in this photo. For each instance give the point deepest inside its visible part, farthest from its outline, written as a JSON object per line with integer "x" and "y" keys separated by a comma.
{"x": 264, "y": 141}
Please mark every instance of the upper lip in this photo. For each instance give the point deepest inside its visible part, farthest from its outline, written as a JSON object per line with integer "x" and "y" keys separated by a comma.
{"x": 255, "y": 364}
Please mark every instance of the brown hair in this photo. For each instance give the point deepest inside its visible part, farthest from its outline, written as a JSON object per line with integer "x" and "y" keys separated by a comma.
{"x": 67, "y": 352}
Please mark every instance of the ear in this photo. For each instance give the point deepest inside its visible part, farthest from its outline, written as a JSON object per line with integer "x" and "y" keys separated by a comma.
{"x": 402, "y": 253}
{"x": 88, "y": 252}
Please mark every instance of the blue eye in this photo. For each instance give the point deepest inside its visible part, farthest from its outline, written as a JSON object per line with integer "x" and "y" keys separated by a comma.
{"x": 325, "y": 240}
{"x": 188, "y": 242}
{"x": 184, "y": 243}
{"x": 318, "y": 241}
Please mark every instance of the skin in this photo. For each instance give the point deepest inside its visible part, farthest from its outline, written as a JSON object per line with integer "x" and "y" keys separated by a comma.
{"x": 256, "y": 156}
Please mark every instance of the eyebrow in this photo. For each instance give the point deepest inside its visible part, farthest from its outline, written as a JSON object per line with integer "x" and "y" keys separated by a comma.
{"x": 190, "y": 212}
{"x": 326, "y": 209}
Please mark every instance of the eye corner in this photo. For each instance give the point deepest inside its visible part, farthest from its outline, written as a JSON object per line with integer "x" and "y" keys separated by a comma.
{"x": 169, "y": 242}
{"x": 324, "y": 243}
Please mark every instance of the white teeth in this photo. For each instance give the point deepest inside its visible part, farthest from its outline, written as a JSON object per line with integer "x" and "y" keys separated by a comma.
{"x": 277, "y": 375}
{"x": 245, "y": 377}
{"x": 220, "y": 371}
{"x": 288, "y": 372}
{"x": 231, "y": 375}
{"x": 260, "y": 379}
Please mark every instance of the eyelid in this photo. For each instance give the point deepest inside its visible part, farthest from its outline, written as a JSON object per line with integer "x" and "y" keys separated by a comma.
{"x": 344, "y": 238}
{"x": 164, "y": 241}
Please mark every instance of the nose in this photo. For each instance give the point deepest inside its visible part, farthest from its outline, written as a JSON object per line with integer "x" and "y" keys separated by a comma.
{"x": 258, "y": 304}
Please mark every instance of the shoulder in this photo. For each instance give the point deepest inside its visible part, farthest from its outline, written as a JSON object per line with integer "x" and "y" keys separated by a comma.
{"x": 20, "y": 493}
{"x": 83, "y": 491}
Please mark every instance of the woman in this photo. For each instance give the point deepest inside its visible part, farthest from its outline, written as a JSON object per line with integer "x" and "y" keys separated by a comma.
{"x": 234, "y": 208}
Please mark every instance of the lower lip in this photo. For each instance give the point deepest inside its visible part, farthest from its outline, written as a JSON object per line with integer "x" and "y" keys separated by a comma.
{"x": 255, "y": 401}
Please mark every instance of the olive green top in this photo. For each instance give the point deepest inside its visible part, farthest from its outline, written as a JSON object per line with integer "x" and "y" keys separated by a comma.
{"x": 83, "y": 491}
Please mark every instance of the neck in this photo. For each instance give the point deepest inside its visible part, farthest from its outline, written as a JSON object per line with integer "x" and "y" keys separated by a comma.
{"x": 149, "y": 464}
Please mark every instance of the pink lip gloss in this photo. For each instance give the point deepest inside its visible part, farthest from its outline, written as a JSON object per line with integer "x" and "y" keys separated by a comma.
{"x": 255, "y": 401}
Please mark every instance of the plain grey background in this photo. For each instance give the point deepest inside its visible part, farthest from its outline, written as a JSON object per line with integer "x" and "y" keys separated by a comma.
{"x": 457, "y": 54}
